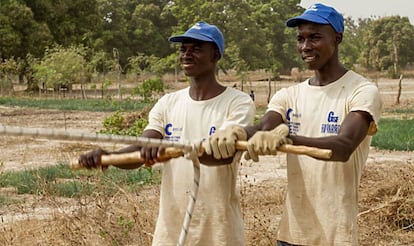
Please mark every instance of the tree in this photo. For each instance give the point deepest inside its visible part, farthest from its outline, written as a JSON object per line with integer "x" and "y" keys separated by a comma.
{"x": 21, "y": 35}
{"x": 134, "y": 27}
{"x": 75, "y": 22}
{"x": 254, "y": 30}
{"x": 351, "y": 43}
{"x": 149, "y": 28}
{"x": 389, "y": 44}
{"x": 62, "y": 67}
{"x": 7, "y": 68}
{"x": 280, "y": 48}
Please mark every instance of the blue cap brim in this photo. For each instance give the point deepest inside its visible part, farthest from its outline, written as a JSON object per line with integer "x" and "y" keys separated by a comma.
{"x": 296, "y": 21}
{"x": 181, "y": 38}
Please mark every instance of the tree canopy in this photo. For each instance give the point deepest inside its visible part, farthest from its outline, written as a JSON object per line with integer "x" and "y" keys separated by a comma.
{"x": 255, "y": 33}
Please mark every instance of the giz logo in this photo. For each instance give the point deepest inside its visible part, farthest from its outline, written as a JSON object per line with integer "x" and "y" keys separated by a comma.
{"x": 332, "y": 117}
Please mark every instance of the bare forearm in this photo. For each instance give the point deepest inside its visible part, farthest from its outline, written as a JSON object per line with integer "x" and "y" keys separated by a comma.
{"x": 268, "y": 122}
{"x": 341, "y": 147}
{"x": 353, "y": 131}
{"x": 128, "y": 149}
{"x": 135, "y": 148}
{"x": 209, "y": 160}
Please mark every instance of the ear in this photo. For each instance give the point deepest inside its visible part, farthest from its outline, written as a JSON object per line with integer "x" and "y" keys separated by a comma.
{"x": 339, "y": 38}
{"x": 217, "y": 55}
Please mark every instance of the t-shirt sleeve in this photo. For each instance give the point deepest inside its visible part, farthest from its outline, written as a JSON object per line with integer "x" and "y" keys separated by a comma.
{"x": 367, "y": 98}
{"x": 278, "y": 103}
{"x": 242, "y": 112}
{"x": 156, "y": 116}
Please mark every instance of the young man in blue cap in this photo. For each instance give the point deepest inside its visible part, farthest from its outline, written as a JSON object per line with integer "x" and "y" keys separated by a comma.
{"x": 193, "y": 114}
{"x": 335, "y": 109}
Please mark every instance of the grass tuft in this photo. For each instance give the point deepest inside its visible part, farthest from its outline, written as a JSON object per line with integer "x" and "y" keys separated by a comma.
{"x": 61, "y": 181}
{"x": 394, "y": 134}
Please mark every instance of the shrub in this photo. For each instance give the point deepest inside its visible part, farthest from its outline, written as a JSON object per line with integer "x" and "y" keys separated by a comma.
{"x": 150, "y": 86}
{"x": 131, "y": 124}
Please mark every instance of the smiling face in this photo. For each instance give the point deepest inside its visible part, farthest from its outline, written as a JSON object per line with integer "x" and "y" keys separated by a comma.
{"x": 198, "y": 58}
{"x": 317, "y": 45}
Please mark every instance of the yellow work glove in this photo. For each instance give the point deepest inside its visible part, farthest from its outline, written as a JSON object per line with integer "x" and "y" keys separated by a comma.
{"x": 222, "y": 144}
{"x": 267, "y": 142}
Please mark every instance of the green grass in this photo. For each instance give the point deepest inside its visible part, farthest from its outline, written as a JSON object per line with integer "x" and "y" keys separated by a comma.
{"x": 99, "y": 105}
{"x": 401, "y": 111}
{"x": 62, "y": 181}
{"x": 6, "y": 200}
{"x": 394, "y": 134}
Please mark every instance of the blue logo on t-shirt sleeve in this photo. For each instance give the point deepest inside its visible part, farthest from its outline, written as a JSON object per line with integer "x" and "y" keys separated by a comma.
{"x": 212, "y": 130}
{"x": 167, "y": 129}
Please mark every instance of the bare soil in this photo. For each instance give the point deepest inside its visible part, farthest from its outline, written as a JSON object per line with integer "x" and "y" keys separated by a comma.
{"x": 43, "y": 220}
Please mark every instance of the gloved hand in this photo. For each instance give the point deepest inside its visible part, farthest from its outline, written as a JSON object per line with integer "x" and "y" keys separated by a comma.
{"x": 267, "y": 142}
{"x": 222, "y": 144}
{"x": 92, "y": 159}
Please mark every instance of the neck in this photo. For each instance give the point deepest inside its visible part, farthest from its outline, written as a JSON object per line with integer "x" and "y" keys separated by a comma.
{"x": 205, "y": 89}
{"x": 327, "y": 76}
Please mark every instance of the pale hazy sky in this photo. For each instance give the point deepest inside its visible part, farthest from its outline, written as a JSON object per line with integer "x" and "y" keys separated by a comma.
{"x": 368, "y": 8}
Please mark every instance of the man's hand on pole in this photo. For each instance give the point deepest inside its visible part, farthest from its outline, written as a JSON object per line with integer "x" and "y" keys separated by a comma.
{"x": 152, "y": 155}
{"x": 92, "y": 159}
{"x": 267, "y": 142}
{"x": 222, "y": 144}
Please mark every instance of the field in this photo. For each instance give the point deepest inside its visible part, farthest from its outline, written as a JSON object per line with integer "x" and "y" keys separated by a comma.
{"x": 128, "y": 217}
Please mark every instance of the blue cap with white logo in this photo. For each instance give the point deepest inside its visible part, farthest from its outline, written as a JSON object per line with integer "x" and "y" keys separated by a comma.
{"x": 204, "y": 32}
{"x": 321, "y": 14}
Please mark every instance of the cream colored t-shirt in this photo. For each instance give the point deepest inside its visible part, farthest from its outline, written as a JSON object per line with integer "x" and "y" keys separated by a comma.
{"x": 321, "y": 204}
{"x": 217, "y": 218}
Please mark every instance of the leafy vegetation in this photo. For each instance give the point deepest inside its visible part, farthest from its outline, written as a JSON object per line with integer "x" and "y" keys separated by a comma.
{"x": 61, "y": 181}
{"x": 119, "y": 124}
{"x": 149, "y": 87}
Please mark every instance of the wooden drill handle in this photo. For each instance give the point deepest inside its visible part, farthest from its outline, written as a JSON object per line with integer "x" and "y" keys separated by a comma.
{"x": 171, "y": 152}
{"x": 295, "y": 149}
{"x": 135, "y": 157}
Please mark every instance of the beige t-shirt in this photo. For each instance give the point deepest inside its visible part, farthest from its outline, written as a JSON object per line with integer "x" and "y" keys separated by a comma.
{"x": 217, "y": 218}
{"x": 321, "y": 204}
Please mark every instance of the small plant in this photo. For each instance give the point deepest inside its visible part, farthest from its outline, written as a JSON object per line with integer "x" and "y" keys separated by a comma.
{"x": 126, "y": 224}
{"x": 132, "y": 124}
{"x": 150, "y": 86}
{"x": 113, "y": 124}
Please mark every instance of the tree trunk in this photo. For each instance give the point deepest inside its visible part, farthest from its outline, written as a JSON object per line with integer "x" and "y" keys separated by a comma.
{"x": 395, "y": 49}
{"x": 399, "y": 90}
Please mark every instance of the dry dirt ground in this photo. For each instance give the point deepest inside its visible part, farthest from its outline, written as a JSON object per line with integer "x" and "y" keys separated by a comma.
{"x": 262, "y": 184}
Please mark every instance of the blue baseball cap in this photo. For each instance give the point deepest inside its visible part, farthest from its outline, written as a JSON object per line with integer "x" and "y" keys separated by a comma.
{"x": 320, "y": 14}
{"x": 204, "y": 32}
